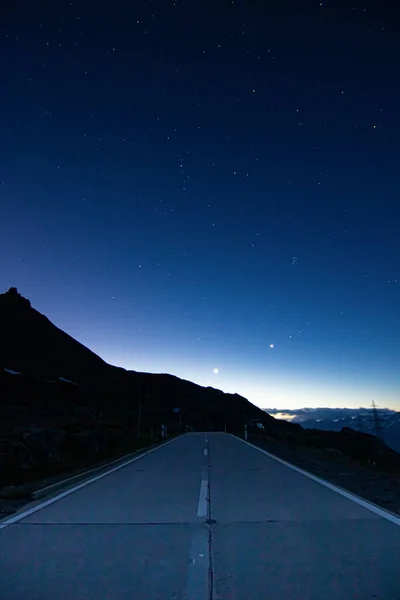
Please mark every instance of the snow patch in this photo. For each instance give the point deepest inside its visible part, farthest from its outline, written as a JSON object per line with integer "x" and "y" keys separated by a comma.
{"x": 66, "y": 380}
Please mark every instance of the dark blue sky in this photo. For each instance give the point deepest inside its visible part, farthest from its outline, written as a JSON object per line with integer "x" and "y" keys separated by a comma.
{"x": 186, "y": 183}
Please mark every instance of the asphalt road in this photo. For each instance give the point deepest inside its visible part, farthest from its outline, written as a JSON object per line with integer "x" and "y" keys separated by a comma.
{"x": 205, "y": 516}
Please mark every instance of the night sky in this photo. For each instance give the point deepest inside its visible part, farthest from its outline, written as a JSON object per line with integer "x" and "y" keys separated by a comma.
{"x": 210, "y": 188}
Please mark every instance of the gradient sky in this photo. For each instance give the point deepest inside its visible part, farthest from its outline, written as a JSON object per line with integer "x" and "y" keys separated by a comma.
{"x": 184, "y": 183}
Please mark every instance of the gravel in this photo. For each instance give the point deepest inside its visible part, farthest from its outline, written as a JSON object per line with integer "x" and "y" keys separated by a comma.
{"x": 377, "y": 486}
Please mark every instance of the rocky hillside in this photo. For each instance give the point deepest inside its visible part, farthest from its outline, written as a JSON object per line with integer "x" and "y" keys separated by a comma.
{"x": 62, "y": 407}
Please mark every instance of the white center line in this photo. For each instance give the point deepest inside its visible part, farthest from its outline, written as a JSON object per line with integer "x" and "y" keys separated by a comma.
{"x": 202, "y": 505}
{"x": 198, "y": 583}
{"x": 205, "y": 451}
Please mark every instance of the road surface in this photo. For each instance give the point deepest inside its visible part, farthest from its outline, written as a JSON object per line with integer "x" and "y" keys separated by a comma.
{"x": 205, "y": 516}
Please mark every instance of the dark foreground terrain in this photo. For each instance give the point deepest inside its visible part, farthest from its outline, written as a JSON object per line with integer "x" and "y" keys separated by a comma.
{"x": 374, "y": 483}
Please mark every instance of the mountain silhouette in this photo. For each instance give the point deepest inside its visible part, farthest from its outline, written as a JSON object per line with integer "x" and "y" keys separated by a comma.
{"x": 34, "y": 345}
{"x": 61, "y": 404}
{"x": 63, "y": 407}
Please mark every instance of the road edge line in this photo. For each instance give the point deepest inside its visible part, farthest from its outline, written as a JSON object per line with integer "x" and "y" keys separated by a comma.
{"x": 30, "y": 511}
{"x": 382, "y": 512}
{"x": 54, "y": 487}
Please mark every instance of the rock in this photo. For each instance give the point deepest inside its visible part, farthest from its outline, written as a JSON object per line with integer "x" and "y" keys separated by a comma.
{"x": 30, "y": 449}
{"x": 46, "y": 444}
{"x": 12, "y": 296}
{"x": 92, "y": 443}
{"x": 334, "y": 452}
{"x": 15, "y": 458}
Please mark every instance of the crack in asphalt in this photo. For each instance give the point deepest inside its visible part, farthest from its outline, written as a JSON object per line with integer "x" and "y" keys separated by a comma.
{"x": 210, "y": 522}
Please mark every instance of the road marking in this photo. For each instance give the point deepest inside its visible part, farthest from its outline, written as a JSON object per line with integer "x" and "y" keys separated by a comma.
{"x": 353, "y": 497}
{"x": 18, "y": 517}
{"x": 202, "y": 507}
{"x": 205, "y": 451}
{"x": 199, "y": 561}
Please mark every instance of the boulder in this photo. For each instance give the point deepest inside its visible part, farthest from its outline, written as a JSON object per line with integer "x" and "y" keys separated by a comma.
{"x": 334, "y": 452}
{"x": 91, "y": 443}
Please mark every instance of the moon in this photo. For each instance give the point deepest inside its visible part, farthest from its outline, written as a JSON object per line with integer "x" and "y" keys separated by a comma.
{"x": 215, "y": 371}
{"x": 272, "y": 345}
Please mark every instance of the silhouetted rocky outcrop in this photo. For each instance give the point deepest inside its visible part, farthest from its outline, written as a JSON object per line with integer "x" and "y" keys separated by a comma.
{"x": 30, "y": 343}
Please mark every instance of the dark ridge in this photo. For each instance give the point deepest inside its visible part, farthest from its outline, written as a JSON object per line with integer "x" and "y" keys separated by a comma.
{"x": 62, "y": 407}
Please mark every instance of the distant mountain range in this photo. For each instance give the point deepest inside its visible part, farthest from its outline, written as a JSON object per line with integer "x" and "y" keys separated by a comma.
{"x": 333, "y": 419}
